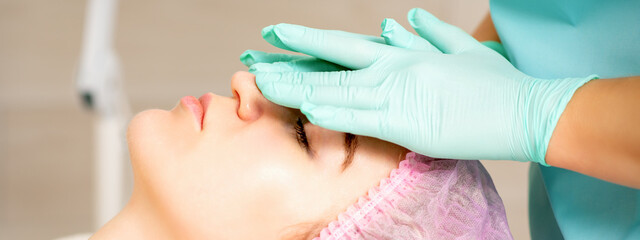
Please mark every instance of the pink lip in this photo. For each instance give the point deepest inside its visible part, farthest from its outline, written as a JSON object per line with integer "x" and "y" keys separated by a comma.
{"x": 204, "y": 101}
{"x": 191, "y": 103}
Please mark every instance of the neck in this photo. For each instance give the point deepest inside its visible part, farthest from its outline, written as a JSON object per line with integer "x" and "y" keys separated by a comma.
{"x": 138, "y": 220}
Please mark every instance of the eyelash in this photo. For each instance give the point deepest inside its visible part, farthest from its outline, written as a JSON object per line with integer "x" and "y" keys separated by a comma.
{"x": 301, "y": 135}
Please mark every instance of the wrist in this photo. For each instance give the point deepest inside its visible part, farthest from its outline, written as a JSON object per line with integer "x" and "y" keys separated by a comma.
{"x": 544, "y": 102}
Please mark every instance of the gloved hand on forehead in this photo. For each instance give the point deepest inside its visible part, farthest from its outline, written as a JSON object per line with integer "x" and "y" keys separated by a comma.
{"x": 299, "y": 63}
{"x": 394, "y": 34}
{"x": 442, "y": 95}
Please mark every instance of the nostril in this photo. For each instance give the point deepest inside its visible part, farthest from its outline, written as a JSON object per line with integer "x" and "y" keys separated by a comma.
{"x": 236, "y": 96}
{"x": 249, "y": 98}
{"x": 248, "y": 111}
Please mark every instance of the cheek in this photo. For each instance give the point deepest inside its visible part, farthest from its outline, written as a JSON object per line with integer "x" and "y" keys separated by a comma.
{"x": 254, "y": 177}
{"x": 261, "y": 156}
{"x": 295, "y": 187}
{"x": 328, "y": 146}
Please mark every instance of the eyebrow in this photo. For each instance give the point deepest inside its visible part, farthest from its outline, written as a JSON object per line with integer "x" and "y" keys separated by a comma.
{"x": 350, "y": 146}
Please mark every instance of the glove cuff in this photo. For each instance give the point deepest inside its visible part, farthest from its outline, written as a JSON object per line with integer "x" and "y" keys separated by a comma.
{"x": 547, "y": 100}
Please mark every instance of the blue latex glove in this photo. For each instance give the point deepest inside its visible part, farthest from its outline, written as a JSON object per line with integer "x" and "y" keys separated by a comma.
{"x": 454, "y": 98}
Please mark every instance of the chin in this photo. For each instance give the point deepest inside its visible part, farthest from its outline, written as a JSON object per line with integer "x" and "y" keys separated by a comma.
{"x": 145, "y": 136}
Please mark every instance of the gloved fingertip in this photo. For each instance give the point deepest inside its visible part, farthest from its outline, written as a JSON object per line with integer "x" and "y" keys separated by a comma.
{"x": 317, "y": 115}
{"x": 384, "y": 23}
{"x": 388, "y": 25}
{"x": 419, "y": 16}
{"x": 285, "y": 31}
{"x": 306, "y": 108}
{"x": 411, "y": 16}
{"x": 252, "y": 69}
{"x": 247, "y": 58}
{"x": 267, "y": 30}
{"x": 270, "y": 36}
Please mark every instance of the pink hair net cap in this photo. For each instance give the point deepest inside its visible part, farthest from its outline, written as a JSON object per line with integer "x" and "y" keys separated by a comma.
{"x": 426, "y": 198}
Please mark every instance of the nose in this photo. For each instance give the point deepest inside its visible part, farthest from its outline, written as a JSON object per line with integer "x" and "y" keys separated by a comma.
{"x": 252, "y": 103}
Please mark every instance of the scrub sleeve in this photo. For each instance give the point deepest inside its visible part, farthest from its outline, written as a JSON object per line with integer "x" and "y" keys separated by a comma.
{"x": 568, "y": 38}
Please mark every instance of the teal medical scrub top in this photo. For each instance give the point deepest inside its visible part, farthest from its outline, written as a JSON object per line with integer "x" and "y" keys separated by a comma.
{"x": 574, "y": 38}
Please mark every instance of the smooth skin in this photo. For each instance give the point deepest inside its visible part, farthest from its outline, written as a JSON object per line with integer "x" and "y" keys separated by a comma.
{"x": 595, "y": 134}
{"x": 598, "y": 134}
{"x": 241, "y": 174}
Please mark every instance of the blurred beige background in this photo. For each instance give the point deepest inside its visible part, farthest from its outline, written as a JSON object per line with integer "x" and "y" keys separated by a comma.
{"x": 168, "y": 49}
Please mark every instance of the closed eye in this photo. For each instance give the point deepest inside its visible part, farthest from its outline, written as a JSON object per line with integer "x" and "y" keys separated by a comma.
{"x": 350, "y": 141}
{"x": 301, "y": 135}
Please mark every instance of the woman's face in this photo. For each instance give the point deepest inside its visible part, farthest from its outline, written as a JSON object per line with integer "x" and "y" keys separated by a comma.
{"x": 240, "y": 168}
